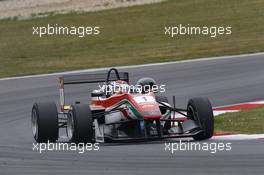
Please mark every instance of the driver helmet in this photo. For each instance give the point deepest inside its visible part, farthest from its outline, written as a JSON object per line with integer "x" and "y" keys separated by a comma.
{"x": 119, "y": 87}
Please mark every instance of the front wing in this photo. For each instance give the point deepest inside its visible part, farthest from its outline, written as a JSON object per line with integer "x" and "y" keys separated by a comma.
{"x": 144, "y": 130}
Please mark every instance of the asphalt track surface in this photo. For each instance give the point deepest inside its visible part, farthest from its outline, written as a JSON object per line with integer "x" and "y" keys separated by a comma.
{"x": 224, "y": 81}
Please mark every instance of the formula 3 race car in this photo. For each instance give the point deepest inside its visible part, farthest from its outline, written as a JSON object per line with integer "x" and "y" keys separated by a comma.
{"x": 120, "y": 114}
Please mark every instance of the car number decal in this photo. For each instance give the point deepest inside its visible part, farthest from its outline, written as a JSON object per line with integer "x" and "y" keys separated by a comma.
{"x": 144, "y": 99}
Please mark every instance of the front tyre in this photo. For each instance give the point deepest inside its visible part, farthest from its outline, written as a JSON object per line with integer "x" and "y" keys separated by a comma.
{"x": 44, "y": 122}
{"x": 80, "y": 124}
{"x": 200, "y": 110}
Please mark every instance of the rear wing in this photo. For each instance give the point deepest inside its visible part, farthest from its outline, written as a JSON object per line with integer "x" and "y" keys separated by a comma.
{"x": 111, "y": 75}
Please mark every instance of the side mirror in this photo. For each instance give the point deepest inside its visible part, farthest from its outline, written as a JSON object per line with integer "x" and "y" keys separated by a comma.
{"x": 97, "y": 93}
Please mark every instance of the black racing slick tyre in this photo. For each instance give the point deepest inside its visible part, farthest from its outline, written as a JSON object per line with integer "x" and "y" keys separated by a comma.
{"x": 80, "y": 124}
{"x": 44, "y": 122}
{"x": 200, "y": 110}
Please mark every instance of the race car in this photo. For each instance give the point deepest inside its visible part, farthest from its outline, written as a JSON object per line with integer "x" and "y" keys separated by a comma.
{"x": 119, "y": 111}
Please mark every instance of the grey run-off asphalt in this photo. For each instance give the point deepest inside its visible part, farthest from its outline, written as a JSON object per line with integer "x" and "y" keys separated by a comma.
{"x": 223, "y": 81}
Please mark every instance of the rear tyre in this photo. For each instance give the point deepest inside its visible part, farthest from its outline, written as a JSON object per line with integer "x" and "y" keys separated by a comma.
{"x": 80, "y": 124}
{"x": 200, "y": 110}
{"x": 44, "y": 122}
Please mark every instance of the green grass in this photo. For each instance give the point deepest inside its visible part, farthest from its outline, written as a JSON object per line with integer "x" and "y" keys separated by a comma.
{"x": 133, "y": 35}
{"x": 246, "y": 122}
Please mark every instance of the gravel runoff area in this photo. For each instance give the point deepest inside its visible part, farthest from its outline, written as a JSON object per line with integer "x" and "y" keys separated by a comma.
{"x": 28, "y": 8}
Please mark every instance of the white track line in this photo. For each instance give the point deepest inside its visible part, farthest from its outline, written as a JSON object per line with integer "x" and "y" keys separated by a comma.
{"x": 240, "y": 137}
{"x": 236, "y": 104}
{"x": 135, "y": 66}
{"x": 257, "y": 102}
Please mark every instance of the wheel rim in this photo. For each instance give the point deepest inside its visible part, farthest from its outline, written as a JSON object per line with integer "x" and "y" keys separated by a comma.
{"x": 192, "y": 113}
{"x": 34, "y": 123}
{"x": 70, "y": 126}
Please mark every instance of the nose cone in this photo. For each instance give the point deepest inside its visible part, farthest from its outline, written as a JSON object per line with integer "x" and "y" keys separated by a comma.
{"x": 146, "y": 105}
{"x": 150, "y": 111}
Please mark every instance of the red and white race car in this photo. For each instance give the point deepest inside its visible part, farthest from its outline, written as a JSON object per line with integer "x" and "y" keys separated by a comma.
{"x": 120, "y": 112}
